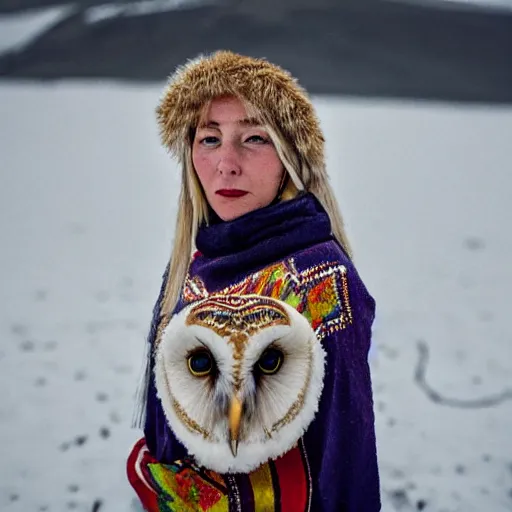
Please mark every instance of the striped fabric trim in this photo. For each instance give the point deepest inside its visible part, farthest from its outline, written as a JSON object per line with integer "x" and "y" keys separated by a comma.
{"x": 283, "y": 485}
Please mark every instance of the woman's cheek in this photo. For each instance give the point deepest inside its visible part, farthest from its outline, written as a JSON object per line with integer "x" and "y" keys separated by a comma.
{"x": 203, "y": 166}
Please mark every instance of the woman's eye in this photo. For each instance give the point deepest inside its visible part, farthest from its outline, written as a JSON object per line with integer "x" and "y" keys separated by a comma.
{"x": 200, "y": 363}
{"x": 271, "y": 361}
{"x": 209, "y": 141}
{"x": 257, "y": 138}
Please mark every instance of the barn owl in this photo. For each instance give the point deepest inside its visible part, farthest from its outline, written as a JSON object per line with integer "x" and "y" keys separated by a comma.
{"x": 239, "y": 379}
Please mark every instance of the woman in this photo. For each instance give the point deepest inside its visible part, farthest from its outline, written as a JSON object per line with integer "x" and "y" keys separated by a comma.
{"x": 258, "y": 216}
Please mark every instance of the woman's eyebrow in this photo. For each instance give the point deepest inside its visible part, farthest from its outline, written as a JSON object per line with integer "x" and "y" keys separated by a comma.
{"x": 249, "y": 121}
{"x": 246, "y": 121}
{"x": 208, "y": 124}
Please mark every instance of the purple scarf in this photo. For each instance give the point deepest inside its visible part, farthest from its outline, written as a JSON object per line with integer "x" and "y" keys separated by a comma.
{"x": 341, "y": 440}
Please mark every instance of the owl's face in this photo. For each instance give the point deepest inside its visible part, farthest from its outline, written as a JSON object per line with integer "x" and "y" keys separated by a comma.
{"x": 240, "y": 379}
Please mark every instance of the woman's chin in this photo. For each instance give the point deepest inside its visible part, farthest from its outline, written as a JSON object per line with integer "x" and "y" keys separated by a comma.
{"x": 234, "y": 208}
{"x": 233, "y": 211}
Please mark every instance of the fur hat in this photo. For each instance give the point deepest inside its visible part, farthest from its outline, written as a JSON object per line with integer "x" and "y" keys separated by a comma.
{"x": 283, "y": 103}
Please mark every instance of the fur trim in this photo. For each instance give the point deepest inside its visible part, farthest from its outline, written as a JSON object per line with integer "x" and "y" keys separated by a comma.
{"x": 271, "y": 89}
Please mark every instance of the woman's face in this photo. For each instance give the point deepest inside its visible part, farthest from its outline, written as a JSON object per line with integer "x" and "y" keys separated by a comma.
{"x": 235, "y": 160}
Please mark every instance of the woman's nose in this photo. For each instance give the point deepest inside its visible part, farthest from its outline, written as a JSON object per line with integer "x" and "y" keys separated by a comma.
{"x": 229, "y": 162}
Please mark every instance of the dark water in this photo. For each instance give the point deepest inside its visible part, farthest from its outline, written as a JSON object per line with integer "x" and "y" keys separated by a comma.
{"x": 359, "y": 47}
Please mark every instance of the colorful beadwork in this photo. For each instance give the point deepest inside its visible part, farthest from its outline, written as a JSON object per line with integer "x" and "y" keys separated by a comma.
{"x": 182, "y": 486}
{"x": 320, "y": 293}
{"x": 230, "y": 314}
{"x": 282, "y": 485}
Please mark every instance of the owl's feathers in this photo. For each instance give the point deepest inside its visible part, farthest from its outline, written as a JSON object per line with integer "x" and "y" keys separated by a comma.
{"x": 249, "y": 350}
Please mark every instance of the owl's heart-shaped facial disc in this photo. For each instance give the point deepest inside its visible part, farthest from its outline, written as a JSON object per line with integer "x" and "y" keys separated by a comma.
{"x": 240, "y": 379}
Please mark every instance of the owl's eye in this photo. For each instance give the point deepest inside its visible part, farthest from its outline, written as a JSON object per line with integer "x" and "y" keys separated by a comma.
{"x": 270, "y": 361}
{"x": 200, "y": 363}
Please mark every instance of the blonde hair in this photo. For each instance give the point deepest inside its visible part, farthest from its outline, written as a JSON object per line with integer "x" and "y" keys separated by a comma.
{"x": 193, "y": 207}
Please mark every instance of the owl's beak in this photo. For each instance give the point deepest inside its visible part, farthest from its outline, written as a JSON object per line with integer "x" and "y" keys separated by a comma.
{"x": 235, "y": 416}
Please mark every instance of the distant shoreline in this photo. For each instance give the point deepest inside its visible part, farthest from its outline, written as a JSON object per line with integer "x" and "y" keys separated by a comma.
{"x": 362, "y": 48}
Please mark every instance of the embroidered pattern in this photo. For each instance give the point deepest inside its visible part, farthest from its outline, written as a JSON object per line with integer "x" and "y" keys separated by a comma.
{"x": 182, "y": 486}
{"x": 320, "y": 292}
{"x": 282, "y": 485}
{"x": 326, "y": 302}
{"x": 232, "y": 314}
{"x": 194, "y": 290}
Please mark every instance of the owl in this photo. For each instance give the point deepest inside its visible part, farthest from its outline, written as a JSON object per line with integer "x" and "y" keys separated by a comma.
{"x": 239, "y": 379}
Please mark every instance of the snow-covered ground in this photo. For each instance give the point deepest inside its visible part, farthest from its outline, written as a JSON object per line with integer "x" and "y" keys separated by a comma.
{"x": 88, "y": 202}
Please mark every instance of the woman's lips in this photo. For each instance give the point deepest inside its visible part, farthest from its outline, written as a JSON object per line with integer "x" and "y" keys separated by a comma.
{"x": 231, "y": 192}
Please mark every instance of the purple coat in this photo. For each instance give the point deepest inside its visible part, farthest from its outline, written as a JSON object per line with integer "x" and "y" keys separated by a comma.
{"x": 286, "y": 250}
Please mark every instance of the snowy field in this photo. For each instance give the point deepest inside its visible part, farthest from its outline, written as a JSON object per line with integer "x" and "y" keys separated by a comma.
{"x": 88, "y": 206}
